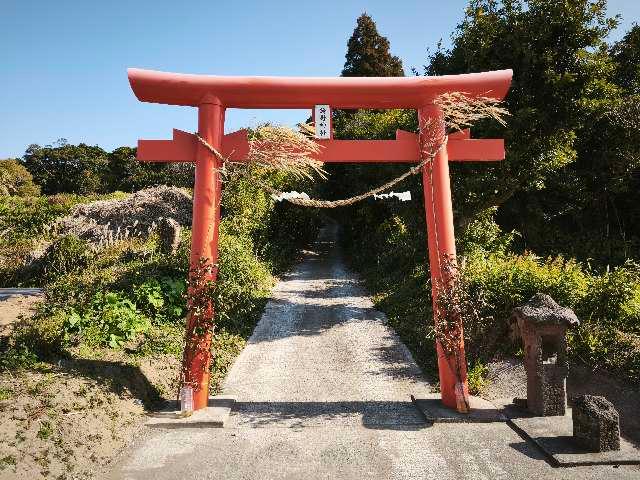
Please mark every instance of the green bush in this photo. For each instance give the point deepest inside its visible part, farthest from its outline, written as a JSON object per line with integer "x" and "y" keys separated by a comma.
{"x": 16, "y": 180}
{"x": 510, "y": 280}
{"x": 41, "y": 335}
{"x": 162, "y": 300}
{"x": 17, "y": 357}
{"x": 243, "y": 284}
{"x": 111, "y": 319}
{"x": 67, "y": 254}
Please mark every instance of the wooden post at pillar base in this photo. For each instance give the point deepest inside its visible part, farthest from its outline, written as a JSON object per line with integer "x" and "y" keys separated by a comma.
{"x": 441, "y": 244}
{"x": 204, "y": 245}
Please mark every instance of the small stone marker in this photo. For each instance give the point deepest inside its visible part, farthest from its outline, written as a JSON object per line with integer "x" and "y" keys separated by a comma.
{"x": 543, "y": 325}
{"x": 596, "y": 424}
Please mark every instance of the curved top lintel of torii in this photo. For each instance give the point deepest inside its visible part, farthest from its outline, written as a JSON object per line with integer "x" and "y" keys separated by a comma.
{"x": 305, "y": 92}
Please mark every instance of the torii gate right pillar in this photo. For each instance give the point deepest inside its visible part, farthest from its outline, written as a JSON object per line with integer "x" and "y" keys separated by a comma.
{"x": 442, "y": 246}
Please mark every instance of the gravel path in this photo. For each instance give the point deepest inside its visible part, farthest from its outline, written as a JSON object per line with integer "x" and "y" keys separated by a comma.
{"x": 322, "y": 392}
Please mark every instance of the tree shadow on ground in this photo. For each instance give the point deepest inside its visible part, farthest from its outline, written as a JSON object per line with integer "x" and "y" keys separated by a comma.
{"x": 120, "y": 378}
{"x": 378, "y": 415}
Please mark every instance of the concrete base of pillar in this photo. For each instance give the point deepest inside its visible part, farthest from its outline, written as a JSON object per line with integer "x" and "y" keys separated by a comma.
{"x": 482, "y": 411}
{"x": 213, "y": 416}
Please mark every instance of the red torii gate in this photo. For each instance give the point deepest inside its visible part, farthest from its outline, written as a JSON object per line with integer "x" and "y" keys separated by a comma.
{"x": 213, "y": 94}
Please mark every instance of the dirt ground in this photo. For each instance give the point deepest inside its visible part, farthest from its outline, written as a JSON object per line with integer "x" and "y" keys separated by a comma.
{"x": 13, "y": 308}
{"x": 69, "y": 418}
{"x": 507, "y": 379}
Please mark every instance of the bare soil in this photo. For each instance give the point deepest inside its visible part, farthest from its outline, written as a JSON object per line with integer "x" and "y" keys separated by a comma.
{"x": 69, "y": 418}
{"x": 13, "y": 308}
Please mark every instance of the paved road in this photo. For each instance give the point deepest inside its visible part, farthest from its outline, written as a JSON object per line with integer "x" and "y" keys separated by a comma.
{"x": 322, "y": 392}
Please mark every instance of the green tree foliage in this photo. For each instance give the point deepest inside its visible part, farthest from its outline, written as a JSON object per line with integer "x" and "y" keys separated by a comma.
{"x": 65, "y": 168}
{"x": 15, "y": 179}
{"x": 626, "y": 54}
{"x": 84, "y": 169}
{"x": 561, "y": 66}
{"x": 368, "y": 53}
{"x": 127, "y": 174}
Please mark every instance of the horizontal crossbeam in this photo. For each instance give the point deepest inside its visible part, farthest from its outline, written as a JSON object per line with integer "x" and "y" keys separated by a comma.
{"x": 299, "y": 92}
{"x": 404, "y": 149}
{"x": 182, "y": 148}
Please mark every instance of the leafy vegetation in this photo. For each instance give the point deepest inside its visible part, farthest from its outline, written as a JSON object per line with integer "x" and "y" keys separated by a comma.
{"x": 566, "y": 191}
{"x": 608, "y": 303}
{"x": 15, "y": 179}
{"x": 130, "y": 296}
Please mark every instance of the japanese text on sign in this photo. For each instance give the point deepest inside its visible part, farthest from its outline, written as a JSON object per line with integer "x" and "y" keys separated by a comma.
{"x": 322, "y": 116}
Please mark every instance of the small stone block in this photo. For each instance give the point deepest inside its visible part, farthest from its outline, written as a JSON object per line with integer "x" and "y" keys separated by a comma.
{"x": 554, "y": 436}
{"x": 434, "y": 411}
{"x": 596, "y": 423}
{"x": 213, "y": 416}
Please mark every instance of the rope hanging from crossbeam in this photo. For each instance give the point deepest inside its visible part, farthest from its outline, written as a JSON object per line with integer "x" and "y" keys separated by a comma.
{"x": 316, "y": 203}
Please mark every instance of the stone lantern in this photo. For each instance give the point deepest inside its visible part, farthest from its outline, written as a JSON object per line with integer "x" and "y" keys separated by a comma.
{"x": 543, "y": 325}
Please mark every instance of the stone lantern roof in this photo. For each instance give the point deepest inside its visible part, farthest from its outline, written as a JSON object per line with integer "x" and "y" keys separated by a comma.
{"x": 541, "y": 310}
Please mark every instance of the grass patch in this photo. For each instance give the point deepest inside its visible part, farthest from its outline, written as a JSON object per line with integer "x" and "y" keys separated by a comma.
{"x": 45, "y": 431}
{"x": 5, "y": 393}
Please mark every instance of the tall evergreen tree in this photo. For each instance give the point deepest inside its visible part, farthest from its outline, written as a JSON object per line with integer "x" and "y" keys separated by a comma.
{"x": 368, "y": 53}
{"x": 626, "y": 53}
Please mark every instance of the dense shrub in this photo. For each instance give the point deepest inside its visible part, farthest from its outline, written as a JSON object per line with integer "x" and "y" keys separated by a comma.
{"x": 394, "y": 262}
{"x": 277, "y": 230}
{"x": 67, "y": 254}
{"x": 15, "y": 179}
{"x": 43, "y": 335}
{"x": 110, "y": 319}
{"x": 242, "y": 281}
{"x": 162, "y": 299}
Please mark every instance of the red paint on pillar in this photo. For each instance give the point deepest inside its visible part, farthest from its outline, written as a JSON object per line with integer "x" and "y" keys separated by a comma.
{"x": 441, "y": 243}
{"x": 204, "y": 243}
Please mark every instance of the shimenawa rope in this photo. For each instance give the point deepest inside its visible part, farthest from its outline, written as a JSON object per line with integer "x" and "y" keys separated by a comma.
{"x": 310, "y": 202}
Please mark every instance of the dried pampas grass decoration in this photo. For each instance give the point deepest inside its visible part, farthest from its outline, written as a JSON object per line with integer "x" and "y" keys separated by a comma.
{"x": 461, "y": 110}
{"x": 283, "y": 149}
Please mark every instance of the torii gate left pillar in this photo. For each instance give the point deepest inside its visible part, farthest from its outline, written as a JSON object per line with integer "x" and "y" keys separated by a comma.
{"x": 212, "y": 94}
{"x": 205, "y": 227}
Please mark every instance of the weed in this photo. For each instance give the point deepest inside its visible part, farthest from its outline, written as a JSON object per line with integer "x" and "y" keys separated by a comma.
{"x": 5, "y": 393}
{"x": 16, "y": 358}
{"x": 6, "y": 461}
{"x": 45, "y": 430}
{"x": 477, "y": 378}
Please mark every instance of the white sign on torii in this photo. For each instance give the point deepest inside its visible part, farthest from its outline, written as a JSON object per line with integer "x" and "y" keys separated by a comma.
{"x": 322, "y": 120}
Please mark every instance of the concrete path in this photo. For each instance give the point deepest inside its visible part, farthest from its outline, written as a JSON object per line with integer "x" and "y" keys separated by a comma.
{"x": 322, "y": 392}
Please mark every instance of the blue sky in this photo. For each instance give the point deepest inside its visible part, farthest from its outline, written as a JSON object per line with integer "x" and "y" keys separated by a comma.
{"x": 63, "y": 64}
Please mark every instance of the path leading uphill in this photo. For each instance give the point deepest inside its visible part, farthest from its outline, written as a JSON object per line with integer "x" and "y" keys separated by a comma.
{"x": 323, "y": 392}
